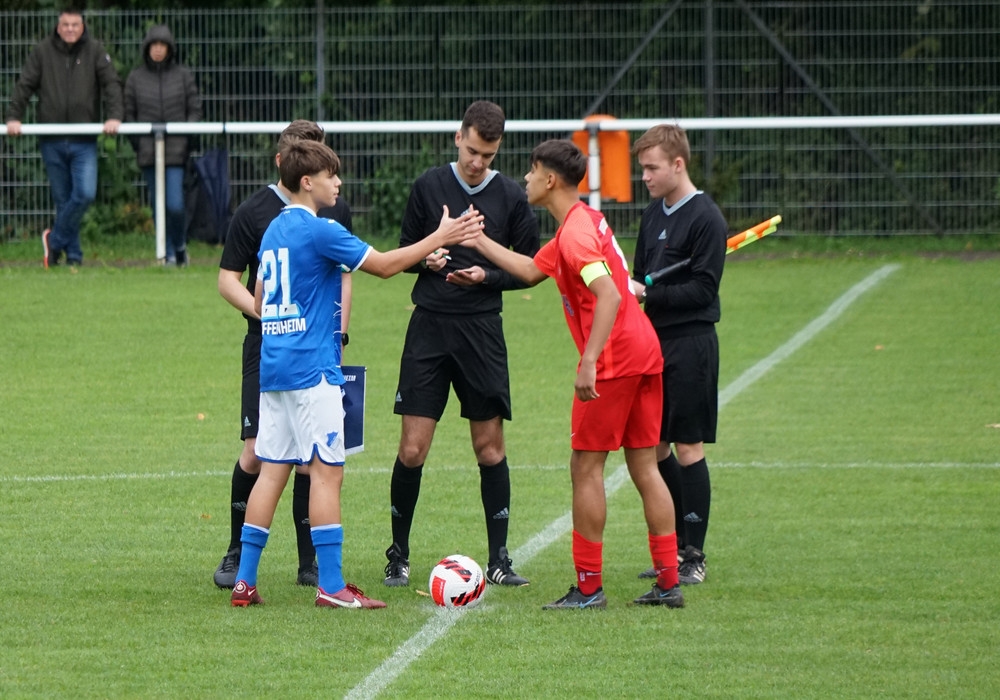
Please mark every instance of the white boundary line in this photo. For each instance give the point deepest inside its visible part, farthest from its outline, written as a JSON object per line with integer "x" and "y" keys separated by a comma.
{"x": 443, "y": 619}
{"x": 554, "y": 467}
{"x": 521, "y": 467}
{"x": 835, "y": 309}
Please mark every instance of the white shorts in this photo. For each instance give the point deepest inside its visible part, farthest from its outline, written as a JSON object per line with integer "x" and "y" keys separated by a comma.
{"x": 298, "y": 425}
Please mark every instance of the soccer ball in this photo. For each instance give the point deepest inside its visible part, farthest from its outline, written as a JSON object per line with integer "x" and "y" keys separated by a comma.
{"x": 457, "y": 581}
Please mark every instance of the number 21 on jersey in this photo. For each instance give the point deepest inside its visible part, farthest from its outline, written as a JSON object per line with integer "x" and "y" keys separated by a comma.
{"x": 272, "y": 270}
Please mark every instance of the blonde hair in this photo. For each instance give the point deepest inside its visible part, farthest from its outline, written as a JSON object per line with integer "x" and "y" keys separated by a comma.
{"x": 669, "y": 137}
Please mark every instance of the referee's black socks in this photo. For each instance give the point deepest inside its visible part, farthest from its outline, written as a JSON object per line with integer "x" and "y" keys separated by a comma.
{"x": 494, "y": 487}
{"x": 404, "y": 490}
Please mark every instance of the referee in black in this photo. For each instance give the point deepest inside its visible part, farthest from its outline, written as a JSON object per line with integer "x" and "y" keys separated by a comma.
{"x": 455, "y": 336}
{"x": 682, "y": 225}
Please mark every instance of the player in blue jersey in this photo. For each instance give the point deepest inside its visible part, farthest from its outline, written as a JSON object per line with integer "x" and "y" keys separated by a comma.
{"x": 239, "y": 257}
{"x": 297, "y": 297}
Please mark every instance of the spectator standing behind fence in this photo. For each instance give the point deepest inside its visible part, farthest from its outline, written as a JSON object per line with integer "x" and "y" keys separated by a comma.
{"x": 68, "y": 70}
{"x": 163, "y": 90}
{"x": 681, "y": 223}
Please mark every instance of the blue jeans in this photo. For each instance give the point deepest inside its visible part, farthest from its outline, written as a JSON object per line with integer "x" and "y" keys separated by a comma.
{"x": 174, "y": 200}
{"x": 72, "y": 170}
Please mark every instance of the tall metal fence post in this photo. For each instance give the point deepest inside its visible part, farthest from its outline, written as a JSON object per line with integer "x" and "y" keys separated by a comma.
{"x": 160, "y": 193}
{"x": 594, "y": 166}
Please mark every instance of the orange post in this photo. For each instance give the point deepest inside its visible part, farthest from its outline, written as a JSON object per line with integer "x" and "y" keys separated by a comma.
{"x": 616, "y": 161}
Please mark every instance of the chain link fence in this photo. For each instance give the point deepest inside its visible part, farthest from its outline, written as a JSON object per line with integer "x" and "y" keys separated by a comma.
{"x": 671, "y": 60}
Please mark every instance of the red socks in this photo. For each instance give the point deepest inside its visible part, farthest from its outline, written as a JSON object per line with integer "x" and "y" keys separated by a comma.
{"x": 663, "y": 548}
{"x": 588, "y": 559}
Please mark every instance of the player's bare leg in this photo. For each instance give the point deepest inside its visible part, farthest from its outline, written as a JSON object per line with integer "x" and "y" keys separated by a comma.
{"x": 589, "y": 500}
{"x": 657, "y": 505}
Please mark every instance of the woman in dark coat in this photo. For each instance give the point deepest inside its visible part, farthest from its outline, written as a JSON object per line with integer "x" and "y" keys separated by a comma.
{"x": 163, "y": 90}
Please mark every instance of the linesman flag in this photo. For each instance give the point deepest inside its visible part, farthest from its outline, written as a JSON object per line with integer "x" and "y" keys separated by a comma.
{"x": 733, "y": 243}
{"x": 754, "y": 233}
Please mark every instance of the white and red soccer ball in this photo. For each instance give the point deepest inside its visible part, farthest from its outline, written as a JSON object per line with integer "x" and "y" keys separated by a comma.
{"x": 457, "y": 581}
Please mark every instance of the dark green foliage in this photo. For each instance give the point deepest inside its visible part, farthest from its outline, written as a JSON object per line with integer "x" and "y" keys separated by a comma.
{"x": 388, "y": 191}
{"x": 118, "y": 211}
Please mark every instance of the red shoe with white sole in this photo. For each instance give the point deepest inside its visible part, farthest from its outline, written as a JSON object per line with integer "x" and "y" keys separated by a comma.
{"x": 244, "y": 595}
{"x": 350, "y": 596}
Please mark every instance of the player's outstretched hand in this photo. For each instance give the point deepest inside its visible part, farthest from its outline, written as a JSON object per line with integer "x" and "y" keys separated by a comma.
{"x": 461, "y": 228}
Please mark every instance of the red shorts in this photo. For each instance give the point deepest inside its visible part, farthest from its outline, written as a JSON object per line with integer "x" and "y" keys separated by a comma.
{"x": 627, "y": 414}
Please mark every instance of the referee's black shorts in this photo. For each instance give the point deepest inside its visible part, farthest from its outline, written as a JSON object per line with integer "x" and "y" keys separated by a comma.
{"x": 690, "y": 388}
{"x": 442, "y": 351}
{"x": 250, "y": 393}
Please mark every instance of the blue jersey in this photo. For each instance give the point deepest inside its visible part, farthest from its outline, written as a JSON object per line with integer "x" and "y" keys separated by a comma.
{"x": 301, "y": 259}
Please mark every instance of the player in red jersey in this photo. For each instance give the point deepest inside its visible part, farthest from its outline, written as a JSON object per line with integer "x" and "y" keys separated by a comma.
{"x": 618, "y": 401}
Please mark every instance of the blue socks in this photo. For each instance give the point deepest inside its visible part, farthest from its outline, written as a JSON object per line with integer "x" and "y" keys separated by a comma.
{"x": 254, "y": 539}
{"x": 328, "y": 540}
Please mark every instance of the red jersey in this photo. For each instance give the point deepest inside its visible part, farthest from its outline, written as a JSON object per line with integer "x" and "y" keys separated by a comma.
{"x": 585, "y": 238}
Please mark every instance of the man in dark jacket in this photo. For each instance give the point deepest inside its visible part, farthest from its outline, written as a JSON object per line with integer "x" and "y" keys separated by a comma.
{"x": 162, "y": 90}
{"x": 68, "y": 70}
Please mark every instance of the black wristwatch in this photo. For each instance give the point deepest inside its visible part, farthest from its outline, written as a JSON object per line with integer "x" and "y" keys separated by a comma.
{"x": 344, "y": 339}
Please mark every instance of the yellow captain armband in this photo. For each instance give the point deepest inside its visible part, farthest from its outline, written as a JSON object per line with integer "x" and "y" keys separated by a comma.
{"x": 594, "y": 270}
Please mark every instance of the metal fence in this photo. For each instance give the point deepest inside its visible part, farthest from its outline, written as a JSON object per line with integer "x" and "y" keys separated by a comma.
{"x": 671, "y": 60}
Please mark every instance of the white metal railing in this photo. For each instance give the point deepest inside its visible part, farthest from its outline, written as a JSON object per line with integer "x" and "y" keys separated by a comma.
{"x": 593, "y": 125}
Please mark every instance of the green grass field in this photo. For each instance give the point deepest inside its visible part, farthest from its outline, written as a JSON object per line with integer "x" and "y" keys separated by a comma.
{"x": 854, "y": 548}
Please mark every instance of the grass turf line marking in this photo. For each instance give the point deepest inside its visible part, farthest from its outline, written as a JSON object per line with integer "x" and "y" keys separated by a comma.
{"x": 443, "y": 619}
{"x": 811, "y": 330}
{"x": 214, "y": 474}
{"x": 55, "y": 478}
{"x": 561, "y": 467}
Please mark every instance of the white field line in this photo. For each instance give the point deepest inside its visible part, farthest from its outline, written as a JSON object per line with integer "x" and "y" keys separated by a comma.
{"x": 442, "y": 620}
{"x": 812, "y": 329}
{"x": 57, "y": 479}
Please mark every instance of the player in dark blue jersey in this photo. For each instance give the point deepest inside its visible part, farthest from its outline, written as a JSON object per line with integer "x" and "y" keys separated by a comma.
{"x": 455, "y": 336}
{"x": 298, "y": 299}
{"x": 239, "y": 256}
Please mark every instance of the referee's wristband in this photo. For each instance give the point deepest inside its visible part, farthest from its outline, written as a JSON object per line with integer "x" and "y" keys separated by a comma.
{"x": 344, "y": 339}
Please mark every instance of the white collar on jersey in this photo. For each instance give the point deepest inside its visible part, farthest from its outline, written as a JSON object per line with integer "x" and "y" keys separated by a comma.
{"x": 465, "y": 185}
{"x": 670, "y": 210}
{"x": 281, "y": 195}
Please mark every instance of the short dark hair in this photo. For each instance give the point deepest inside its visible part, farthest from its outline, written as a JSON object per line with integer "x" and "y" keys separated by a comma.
{"x": 303, "y": 158}
{"x": 669, "y": 137}
{"x": 487, "y": 118}
{"x": 562, "y": 157}
{"x": 301, "y": 130}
